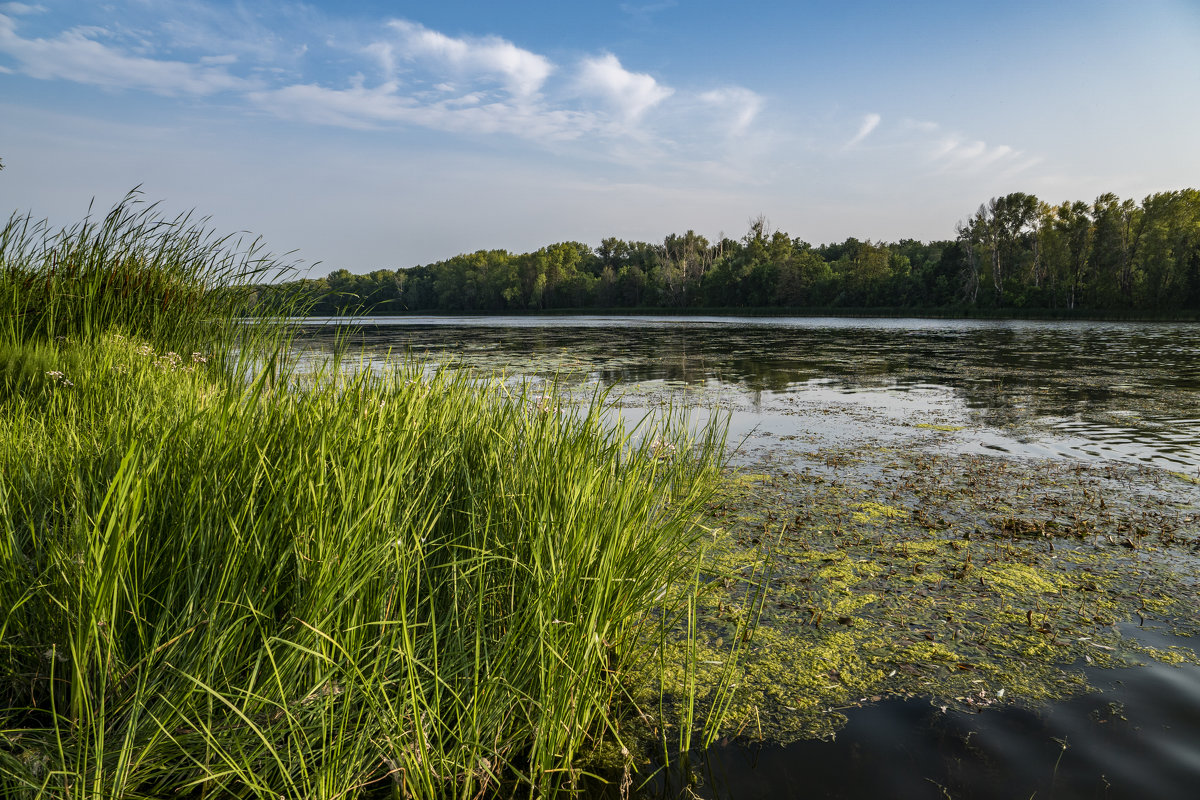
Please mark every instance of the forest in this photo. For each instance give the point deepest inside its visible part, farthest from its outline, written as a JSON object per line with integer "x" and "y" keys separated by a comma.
{"x": 1015, "y": 255}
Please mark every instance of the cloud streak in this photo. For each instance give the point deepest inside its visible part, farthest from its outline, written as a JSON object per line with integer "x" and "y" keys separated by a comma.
{"x": 954, "y": 154}
{"x": 869, "y": 123}
{"x": 739, "y": 107}
{"x": 78, "y": 55}
{"x": 385, "y": 106}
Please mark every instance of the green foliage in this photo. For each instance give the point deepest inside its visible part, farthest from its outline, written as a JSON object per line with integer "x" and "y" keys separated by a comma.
{"x": 1016, "y": 254}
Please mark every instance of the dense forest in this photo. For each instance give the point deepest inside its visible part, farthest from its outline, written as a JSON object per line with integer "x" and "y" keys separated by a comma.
{"x": 1016, "y": 254}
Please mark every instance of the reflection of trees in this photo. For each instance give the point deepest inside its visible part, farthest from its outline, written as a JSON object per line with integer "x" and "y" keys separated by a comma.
{"x": 1007, "y": 371}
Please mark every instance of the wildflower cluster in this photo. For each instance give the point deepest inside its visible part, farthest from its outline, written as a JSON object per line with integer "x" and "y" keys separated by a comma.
{"x": 662, "y": 450}
{"x": 168, "y": 362}
{"x": 171, "y": 361}
{"x": 59, "y": 379}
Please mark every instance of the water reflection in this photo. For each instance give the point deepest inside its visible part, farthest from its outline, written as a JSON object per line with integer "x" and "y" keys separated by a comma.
{"x": 1132, "y": 739}
{"x": 1100, "y": 390}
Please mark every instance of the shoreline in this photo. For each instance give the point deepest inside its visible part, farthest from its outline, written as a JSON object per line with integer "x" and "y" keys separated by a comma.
{"x": 789, "y": 313}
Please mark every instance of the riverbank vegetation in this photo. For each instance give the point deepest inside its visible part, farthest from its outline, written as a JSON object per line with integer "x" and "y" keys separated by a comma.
{"x": 220, "y": 576}
{"x": 1017, "y": 255}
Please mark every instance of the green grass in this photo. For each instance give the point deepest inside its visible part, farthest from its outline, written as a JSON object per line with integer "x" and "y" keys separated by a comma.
{"x": 223, "y": 578}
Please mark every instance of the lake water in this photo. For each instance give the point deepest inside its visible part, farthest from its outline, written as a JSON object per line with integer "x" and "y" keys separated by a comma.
{"x": 1079, "y": 392}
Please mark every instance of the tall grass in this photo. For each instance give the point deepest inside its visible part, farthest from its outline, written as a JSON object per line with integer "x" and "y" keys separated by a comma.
{"x": 411, "y": 584}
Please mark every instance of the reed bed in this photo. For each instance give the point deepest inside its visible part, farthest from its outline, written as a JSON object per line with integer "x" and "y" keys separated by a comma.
{"x": 221, "y": 578}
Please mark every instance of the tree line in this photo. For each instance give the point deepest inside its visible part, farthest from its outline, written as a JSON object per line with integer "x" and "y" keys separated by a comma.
{"x": 1016, "y": 253}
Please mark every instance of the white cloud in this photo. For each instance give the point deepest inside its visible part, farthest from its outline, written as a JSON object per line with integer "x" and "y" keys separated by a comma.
{"x": 952, "y": 154}
{"x": 76, "y": 55}
{"x": 870, "y": 123}
{"x": 384, "y": 105}
{"x": 740, "y": 106}
{"x": 385, "y": 55}
{"x": 356, "y": 107}
{"x": 522, "y": 72}
{"x": 397, "y": 75}
{"x": 631, "y": 94}
{"x": 921, "y": 125}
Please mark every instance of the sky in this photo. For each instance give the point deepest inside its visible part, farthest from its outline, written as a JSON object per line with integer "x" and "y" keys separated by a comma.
{"x": 377, "y": 135}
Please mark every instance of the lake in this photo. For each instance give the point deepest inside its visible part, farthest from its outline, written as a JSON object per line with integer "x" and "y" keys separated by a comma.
{"x": 1066, "y": 441}
{"x": 1075, "y": 389}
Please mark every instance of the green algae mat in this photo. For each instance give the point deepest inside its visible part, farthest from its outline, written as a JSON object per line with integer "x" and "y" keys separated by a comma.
{"x": 839, "y": 578}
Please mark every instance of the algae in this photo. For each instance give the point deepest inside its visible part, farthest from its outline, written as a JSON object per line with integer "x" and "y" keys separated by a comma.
{"x": 970, "y": 581}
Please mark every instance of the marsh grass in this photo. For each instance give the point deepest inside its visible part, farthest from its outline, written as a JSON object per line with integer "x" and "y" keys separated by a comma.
{"x": 221, "y": 582}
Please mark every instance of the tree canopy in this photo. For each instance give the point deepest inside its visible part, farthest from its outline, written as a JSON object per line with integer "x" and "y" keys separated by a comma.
{"x": 1015, "y": 253}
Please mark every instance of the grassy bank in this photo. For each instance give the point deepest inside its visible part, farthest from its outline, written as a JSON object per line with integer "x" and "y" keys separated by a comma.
{"x": 221, "y": 578}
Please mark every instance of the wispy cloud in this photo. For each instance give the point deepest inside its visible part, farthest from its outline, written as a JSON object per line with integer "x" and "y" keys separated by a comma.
{"x": 953, "y": 153}
{"x": 78, "y": 55}
{"x": 385, "y": 106}
{"x": 642, "y": 14}
{"x": 869, "y": 123}
{"x": 630, "y": 94}
{"x": 737, "y": 105}
{"x": 21, "y": 8}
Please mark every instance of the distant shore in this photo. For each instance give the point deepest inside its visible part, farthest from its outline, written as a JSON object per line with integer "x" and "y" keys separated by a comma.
{"x": 1026, "y": 314}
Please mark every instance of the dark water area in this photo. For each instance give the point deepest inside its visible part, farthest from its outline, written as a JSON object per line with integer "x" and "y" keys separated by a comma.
{"x": 1068, "y": 392}
{"x": 1135, "y": 738}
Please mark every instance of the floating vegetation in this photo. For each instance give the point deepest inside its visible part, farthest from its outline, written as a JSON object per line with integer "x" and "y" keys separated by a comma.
{"x": 1183, "y": 476}
{"x": 968, "y": 580}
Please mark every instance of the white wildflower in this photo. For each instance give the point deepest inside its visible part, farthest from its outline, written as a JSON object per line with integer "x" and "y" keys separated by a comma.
{"x": 662, "y": 450}
{"x": 58, "y": 378}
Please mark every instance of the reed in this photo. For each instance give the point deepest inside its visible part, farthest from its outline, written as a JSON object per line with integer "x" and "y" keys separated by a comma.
{"x": 222, "y": 578}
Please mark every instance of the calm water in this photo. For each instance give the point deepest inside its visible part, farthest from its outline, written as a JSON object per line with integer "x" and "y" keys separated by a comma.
{"x": 1091, "y": 392}
{"x": 1079, "y": 390}
{"x": 1135, "y": 738}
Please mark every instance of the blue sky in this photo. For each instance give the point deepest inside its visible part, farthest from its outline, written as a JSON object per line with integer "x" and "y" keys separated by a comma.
{"x": 385, "y": 134}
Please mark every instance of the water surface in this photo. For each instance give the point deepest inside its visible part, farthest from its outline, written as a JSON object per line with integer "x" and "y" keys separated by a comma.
{"x": 1087, "y": 390}
{"x": 797, "y": 389}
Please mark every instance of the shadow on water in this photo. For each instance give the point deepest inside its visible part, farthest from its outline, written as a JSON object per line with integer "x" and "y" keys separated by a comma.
{"x": 1137, "y": 736}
